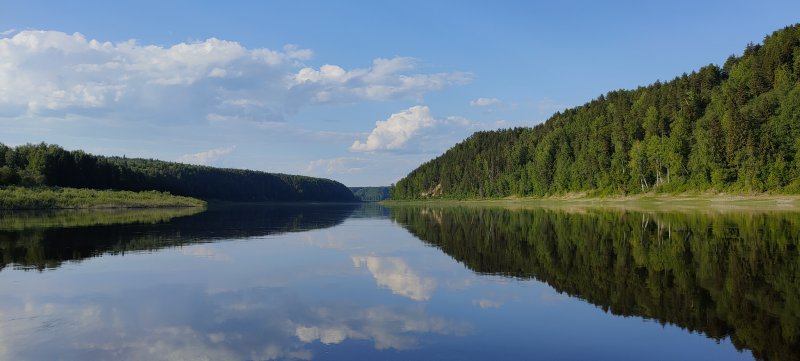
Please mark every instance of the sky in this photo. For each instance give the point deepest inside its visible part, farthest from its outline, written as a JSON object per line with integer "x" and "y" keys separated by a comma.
{"x": 361, "y": 92}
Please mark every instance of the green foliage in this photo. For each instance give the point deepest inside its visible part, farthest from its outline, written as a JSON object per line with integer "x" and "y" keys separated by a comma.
{"x": 735, "y": 128}
{"x": 64, "y": 198}
{"x": 51, "y": 165}
{"x": 371, "y": 194}
{"x": 730, "y": 274}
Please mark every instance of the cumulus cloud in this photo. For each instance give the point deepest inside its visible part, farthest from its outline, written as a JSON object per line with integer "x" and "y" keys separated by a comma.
{"x": 385, "y": 79}
{"x": 395, "y": 131}
{"x": 54, "y": 74}
{"x": 415, "y": 128}
{"x": 418, "y": 130}
{"x": 207, "y": 157}
{"x": 395, "y": 274}
{"x": 484, "y": 102}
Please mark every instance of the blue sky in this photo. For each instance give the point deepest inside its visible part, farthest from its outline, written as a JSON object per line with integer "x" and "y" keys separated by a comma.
{"x": 298, "y": 86}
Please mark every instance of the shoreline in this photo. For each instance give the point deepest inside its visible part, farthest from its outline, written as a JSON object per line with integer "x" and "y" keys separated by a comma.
{"x": 719, "y": 201}
{"x": 56, "y": 198}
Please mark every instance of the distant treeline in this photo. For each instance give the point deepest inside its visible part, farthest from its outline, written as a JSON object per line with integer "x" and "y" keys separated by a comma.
{"x": 733, "y": 128}
{"x": 371, "y": 194}
{"x": 50, "y": 165}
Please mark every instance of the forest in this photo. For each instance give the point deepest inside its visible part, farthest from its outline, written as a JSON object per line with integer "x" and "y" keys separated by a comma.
{"x": 47, "y": 165}
{"x": 734, "y": 128}
{"x": 371, "y": 194}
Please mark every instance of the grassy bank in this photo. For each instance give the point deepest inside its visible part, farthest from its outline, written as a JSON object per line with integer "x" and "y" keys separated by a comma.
{"x": 21, "y": 220}
{"x": 638, "y": 201}
{"x": 73, "y": 198}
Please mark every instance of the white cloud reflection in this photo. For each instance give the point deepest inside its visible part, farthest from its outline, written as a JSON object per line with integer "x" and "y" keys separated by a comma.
{"x": 388, "y": 328}
{"x": 394, "y": 274}
{"x": 270, "y": 324}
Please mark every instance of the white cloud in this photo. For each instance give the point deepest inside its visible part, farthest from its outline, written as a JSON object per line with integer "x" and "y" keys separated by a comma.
{"x": 458, "y": 120}
{"x": 395, "y": 274}
{"x": 54, "y": 74}
{"x": 415, "y": 128}
{"x": 207, "y": 157}
{"x": 297, "y": 53}
{"x": 7, "y": 32}
{"x": 484, "y": 102}
{"x": 386, "y": 79}
{"x": 394, "y": 132}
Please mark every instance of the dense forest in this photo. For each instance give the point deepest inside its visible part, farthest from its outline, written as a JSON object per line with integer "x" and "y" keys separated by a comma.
{"x": 734, "y": 128}
{"x": 725, "y": 275}
{"x": 33, "y": 165}
{"x": 371, "y": 194}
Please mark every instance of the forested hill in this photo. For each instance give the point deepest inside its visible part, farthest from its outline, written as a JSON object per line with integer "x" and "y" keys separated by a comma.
{"x": 371, "y": 194}
{"x": 734, "y": 128}
{"x": 51, "y": 165}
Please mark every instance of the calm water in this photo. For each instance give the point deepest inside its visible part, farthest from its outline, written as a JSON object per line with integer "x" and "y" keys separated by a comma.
{"x": 336, "y": 282}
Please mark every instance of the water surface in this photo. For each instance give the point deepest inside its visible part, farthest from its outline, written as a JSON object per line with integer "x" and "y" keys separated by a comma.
{"x": 331, "y": 282}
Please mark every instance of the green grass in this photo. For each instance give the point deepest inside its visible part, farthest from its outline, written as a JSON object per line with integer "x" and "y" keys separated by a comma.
{"x": 73, "y": 198}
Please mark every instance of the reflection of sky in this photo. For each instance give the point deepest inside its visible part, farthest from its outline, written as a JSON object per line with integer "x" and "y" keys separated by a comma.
{"x": 365, "y": 289}
{"x": 394, "y": 273}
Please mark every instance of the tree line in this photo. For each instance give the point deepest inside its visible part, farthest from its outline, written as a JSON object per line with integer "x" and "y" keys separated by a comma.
{"x": 371, "y": 194}
{"x": 33, "y": 165}
{"x": 731, "y": 128}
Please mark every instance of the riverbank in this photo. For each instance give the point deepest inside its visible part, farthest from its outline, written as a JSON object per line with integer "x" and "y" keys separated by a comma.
{"x": 21, "y": 220}
{"x": 21, "y": 198}
{"x": 762, "y": 201}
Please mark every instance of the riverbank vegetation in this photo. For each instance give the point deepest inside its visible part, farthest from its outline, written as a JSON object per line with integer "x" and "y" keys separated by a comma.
{"x": 640, "y": 201}
{"x": 18, "y": 198}
{"x": 22, "y": 220}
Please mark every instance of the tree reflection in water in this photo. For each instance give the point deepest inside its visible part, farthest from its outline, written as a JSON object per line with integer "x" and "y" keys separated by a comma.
{"x": 725, "y": 274}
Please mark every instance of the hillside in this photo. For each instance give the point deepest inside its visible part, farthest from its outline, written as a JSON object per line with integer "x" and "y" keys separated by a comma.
{"x": 734, "y": 128}
{"x": 371, "y": 194}
{"x": 50, "y": 165}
